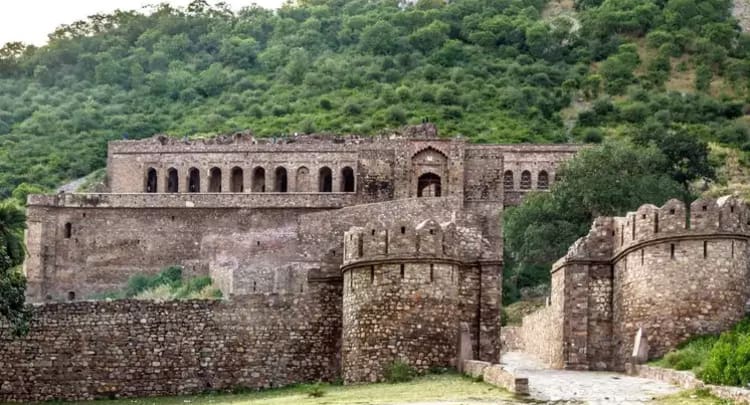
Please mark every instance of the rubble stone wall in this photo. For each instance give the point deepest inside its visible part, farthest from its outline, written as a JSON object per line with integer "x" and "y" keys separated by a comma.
{"x": 87, "y": 350}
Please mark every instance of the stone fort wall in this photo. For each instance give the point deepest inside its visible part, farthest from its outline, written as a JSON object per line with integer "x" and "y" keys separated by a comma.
{"x": 88, "y": 350}
{"x": 672, "y": 272}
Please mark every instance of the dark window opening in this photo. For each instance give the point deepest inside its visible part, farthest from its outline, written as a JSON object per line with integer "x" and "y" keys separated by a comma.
{"x": 432, "y": 273}
{"x": 671, "y": 251}
{"x": 508, "y": 180}
{"x": 428, "y": 185}
{"x": 732, "y": 249}
{"x": 255, "y": 286}
{"x": 151, "y": 181}
{"x": 403, "y": 230}
{"x": 68, "y": 230}
{"x": 705, "y": 249}
{"x": 347, "y": 180}
{"x": 656, "y": 222}
{"x": 525, "y": 180}
{"x": 372, "y": 274}
{"x": 671, "y": 212}
{"x": 173, "y": 182}
{"x": 214, "y": 180}
{"x": 731, "y": 209}
{"x": 360, "y": 247}
{"x": 325, "y": 180}
{"x": 373, "y": 232}
{"x": 642, "y": 257}
{"x": 542, "y": 182}
{"x": 402, "y": 271}
{"x": 194, "y": 180}
{"x": 259, "y": 180}
{"x": 237, "y": 180}
{"x": 705, "y": 208}
{"x": 257, "y": 243}
{"x": 432, "y": 231}
{"x": 172, "y": 217}
{"x": 71, "y": 296}
{"x": 280, "y": 180}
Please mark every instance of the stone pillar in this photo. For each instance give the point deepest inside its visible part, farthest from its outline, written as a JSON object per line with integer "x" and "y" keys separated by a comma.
{"x": 226, "y": 179}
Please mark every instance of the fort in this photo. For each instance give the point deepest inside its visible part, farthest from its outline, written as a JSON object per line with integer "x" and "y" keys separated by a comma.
{"x": 340, "y": 255}
{"x": 336, "y": 255}
{"x": 670, "y": 272}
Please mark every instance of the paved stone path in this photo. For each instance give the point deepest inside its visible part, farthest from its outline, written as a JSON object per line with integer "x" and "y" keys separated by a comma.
{"x": 589, "y": 387}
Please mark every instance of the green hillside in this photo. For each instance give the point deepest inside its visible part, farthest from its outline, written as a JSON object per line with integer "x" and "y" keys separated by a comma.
{"x": 493, "y": 70}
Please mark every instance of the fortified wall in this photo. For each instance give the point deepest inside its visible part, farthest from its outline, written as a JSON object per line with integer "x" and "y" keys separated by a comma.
{"x": 671, "y": 272}
{"x": 369, "y": 249}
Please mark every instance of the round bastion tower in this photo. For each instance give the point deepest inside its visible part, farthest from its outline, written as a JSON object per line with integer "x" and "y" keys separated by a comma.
{"x": 400, "y": 298}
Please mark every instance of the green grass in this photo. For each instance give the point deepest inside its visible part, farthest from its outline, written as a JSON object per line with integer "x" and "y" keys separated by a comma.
{"x": 445, "y": 387}
{"x": 690, "y": 355}
{"x": 692, "y": 397}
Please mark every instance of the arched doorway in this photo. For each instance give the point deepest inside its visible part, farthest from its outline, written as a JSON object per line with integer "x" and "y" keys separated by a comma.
{"x": 280, "y": 180}
{"x": 429, "y": 185}
{"x": 429, "y": 168}
{"x": 214, "y": 180}
{"x": 259, "y": 180}
{"x": 150, "y": 181}
{"x": 194, "y": 180}
{"x": 173, "y": 183}
{"x": 347, "y": 180}
{"x": 325, "y": 180}
{"x": 237, "y": 180}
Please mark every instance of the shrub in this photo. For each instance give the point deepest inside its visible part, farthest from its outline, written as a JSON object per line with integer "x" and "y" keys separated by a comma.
{"x": 690, "y": 355}
{"x": 398, "y": 372}
{"x": 593, "y": 135}
{"x": 316, "y": 390}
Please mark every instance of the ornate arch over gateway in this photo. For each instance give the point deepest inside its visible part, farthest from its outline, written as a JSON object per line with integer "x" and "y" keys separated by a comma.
{"x": 429, "y": 170}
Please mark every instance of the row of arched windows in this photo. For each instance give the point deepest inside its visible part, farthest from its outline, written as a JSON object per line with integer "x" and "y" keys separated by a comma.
{"x": 542, "y": 180}
{"x": 257, "y": 184}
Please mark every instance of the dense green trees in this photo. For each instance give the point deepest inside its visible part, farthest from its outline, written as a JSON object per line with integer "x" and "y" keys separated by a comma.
{"x": 12, "y": 282}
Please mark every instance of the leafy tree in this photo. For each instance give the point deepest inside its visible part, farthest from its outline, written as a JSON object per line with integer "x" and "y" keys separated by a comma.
{"x": 12, "y": 282}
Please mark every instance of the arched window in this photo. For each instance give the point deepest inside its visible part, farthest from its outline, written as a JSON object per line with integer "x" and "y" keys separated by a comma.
{"x": 347, "y": 180}
{"x": 237, "y": 180}
{"x": 525, "y": 180}
{"x": 194, "y": 180}
{"x": 542, "y": 181}
{"x": 428, "y": 185}
{"x": 68, "y": 230}
{"x": 214, "y": 180}
{"x": 508, "y": 180}
{"x": 259, "y": 180}
{"x": 173, "y": 182}
{"x": 280, "y": 180}
{"x": 151, "y": 180}
{"x": 303, "y": 179}
{"x": 325, "y": 180}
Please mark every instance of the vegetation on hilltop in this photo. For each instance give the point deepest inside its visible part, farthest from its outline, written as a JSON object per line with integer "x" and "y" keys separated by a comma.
{"x": 494, "y": 70}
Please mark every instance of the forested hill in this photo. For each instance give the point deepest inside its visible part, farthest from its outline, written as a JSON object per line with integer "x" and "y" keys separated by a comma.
{"x": 493, "y": 70}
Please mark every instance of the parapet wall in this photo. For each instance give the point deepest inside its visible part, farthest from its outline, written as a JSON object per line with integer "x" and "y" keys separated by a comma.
{"x": 88, "y": 350}
{"x": 689, "y": 267}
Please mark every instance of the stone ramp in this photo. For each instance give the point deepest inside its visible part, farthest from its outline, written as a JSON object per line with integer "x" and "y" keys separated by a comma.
{"x": 589, "y": 387}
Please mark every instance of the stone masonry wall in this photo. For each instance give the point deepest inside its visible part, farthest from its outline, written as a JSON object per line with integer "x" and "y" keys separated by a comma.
{"x": 87, "y": 350}
{"x": 542, "y": 331}
{"x": 388, "y": 318}
{"x": 671, "y": 272}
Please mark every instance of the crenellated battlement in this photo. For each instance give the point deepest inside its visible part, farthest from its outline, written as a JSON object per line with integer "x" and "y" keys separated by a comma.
{"x": 400, "y": 240}
{"x": 609, "y": 236}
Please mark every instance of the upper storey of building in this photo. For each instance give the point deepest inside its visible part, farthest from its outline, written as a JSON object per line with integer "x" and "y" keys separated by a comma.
{"x": 413, "y": 162}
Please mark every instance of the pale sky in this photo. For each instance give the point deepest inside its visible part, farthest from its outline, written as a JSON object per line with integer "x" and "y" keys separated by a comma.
{"x": 30, "y": 21}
